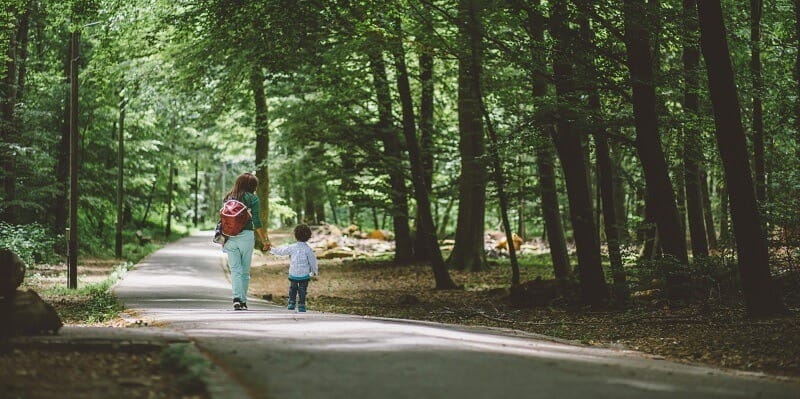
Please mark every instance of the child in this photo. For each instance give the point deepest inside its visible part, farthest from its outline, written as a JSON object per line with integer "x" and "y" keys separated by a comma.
{"x": 302, "y": 265}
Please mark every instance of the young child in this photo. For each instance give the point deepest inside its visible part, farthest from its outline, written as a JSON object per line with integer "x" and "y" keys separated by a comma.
{"x": 302, "y": 265}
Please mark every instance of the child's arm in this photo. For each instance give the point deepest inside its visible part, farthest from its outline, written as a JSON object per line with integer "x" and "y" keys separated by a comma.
{"x": 312, "y": 260}
{"x": 282, "y": 251}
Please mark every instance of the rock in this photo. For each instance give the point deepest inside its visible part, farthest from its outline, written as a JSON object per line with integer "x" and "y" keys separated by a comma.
{"x": 12, "y": 272}
{"x": 31, "y": 315}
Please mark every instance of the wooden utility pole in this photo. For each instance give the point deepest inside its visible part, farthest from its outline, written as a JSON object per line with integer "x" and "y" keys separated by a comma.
{"x": 120, "y": 169}
{"x": 196, "y": 187}
{"x": 72, "y": 247}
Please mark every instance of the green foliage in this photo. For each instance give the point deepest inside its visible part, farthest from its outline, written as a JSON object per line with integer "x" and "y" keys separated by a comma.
{"x": 32, "y": 242}
{"x": 93, "y": 303}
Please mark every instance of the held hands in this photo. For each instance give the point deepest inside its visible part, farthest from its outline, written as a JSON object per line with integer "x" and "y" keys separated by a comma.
{"x": 266, "y": 245}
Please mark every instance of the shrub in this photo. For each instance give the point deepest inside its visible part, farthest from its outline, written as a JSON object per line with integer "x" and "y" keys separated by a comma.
{"x": 32, "y": 242}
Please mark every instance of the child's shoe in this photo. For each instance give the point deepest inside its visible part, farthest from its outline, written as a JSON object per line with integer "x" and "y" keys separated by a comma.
{"x": 301, "y": 308}
{"x": 291, "y": 306}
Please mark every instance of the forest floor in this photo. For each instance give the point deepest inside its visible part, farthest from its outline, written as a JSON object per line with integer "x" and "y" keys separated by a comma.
{"x": 714, "y": 332}
{"x": 48, "y": 371}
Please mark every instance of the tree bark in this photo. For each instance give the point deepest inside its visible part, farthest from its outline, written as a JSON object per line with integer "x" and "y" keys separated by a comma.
{"x": 604, "y": 167}
{"x": 692, "y": 150}
{"x": 468, "y": 253}
{"x": 426, "y": 109}
{"x": 648, "y": 142}
{"x": 708, "y": 214}
{"x": 544, "y": 158}
{"x": 758, "y": 89}
{"x": 262, "y": 143}
{"x": 593, "y": 289}
{"x": 393, "y": 156}
{"x": 760, "y": 293}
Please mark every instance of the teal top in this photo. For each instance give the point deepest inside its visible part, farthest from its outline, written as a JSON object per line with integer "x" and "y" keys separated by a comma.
{"x": 251, "y": 200}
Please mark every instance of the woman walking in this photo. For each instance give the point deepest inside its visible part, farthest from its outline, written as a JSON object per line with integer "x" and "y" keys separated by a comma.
{"x": 240, "y": 247}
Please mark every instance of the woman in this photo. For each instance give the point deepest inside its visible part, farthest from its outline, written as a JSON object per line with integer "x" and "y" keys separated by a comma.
{"x": 240, "y": 247}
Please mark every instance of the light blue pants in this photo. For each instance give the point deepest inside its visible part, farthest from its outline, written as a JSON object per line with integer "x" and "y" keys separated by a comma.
{"x": 240, "y": 255}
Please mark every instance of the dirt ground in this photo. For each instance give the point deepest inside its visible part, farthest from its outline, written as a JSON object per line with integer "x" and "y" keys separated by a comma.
{"x": 46, "y": 371}
{"x": 34, "y": 373}
{"x": 714, "y": 332}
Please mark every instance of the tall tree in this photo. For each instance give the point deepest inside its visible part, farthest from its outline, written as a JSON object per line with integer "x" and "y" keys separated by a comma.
{"x": 468, "y": 253}
{"x": 760, "y": 293}
{"x": 660, "y": 194}
{"x": 262, "y": 142}
{"x": 426, "y": 119}
{"x": 692, "y": 150}
{"x": 593, "y": 289}
{"x": 391, "y": 144}
{"x": 545, "y": 163}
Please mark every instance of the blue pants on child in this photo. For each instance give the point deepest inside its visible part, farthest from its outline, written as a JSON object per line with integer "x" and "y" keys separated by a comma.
{"x": 298, "y": 287}
{"x": 240, "y": 255}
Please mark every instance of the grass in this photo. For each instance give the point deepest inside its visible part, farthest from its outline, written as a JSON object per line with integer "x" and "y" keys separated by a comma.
{"x": 91, "y": 303}
{"x": 189, "y": 366}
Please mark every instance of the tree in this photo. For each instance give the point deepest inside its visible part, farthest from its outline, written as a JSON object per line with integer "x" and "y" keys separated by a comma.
{"x": 660, "y": 195}
{"x": 468, "y": 253}
{"x": 760, "y": 293}
{"x": 544, "y": 154}
{"x": 593, "y": 289}
{"x": 692, "y": 150}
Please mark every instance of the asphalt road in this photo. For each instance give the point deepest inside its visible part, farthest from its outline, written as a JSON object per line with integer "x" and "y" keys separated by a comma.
{"x": 276, "y": 353}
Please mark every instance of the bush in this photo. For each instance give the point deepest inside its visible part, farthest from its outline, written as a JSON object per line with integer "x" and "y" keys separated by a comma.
{"x": 32, "y": 242}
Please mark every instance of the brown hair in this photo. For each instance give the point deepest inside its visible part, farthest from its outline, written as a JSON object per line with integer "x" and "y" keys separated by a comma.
{"x": 245, "y": 183}
{"x": 302, "y": 232}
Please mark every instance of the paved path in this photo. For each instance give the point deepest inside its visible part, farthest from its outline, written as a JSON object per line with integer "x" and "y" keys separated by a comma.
{"x": 275, "y": 353}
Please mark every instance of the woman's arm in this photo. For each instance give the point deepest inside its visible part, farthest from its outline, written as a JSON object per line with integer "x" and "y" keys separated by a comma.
{"x": 263, "y": 239}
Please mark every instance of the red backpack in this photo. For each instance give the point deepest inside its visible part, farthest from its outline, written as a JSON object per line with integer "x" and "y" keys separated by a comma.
{"x": 233, "y": 217}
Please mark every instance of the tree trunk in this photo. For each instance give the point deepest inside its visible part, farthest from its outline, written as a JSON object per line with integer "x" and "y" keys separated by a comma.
{"x": 262, "y": 143}
{"x": 761, "y": 294}
{"x": 692, "y": 150}
{"x": 502, "y": 197}
{"x": 403, "y": 251}
{"x": 648, "y": 142}
{"x": 149, "y": 200}
{"x": 468, "y": 253}
{"x": 620, "y": 210}
{"x": 758, "y": 88}
{"x": 570, "y": 150}
{"x": 604, "y": 168}
{"x": 426, "y": 108}
{"x": 708, "y": 214}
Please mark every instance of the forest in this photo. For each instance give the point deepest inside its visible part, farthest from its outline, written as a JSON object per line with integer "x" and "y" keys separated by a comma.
{"x": 648, "y": 144}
